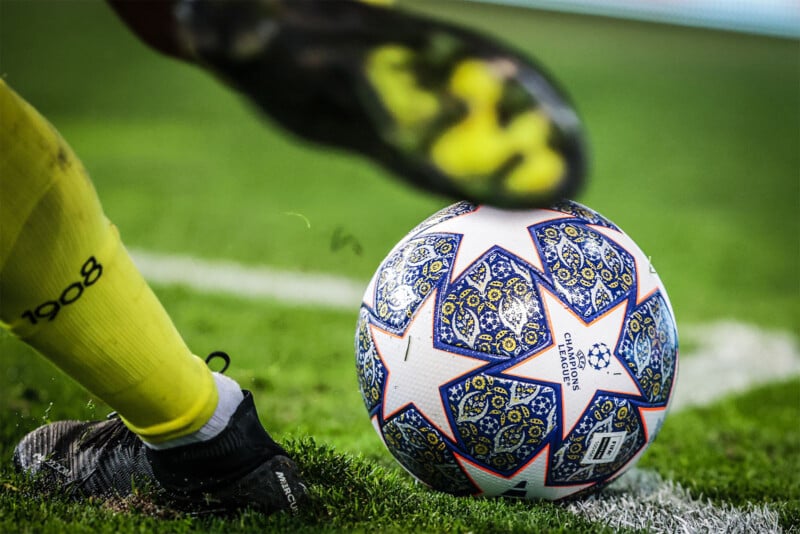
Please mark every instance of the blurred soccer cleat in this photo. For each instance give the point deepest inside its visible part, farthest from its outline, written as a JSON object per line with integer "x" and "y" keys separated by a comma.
{"x": 447, "y": 109}
{"x": 241, "y": 467}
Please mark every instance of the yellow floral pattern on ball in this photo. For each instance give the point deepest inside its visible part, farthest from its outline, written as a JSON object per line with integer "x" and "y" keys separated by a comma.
{"x": 371, "y": 373}
{"x": 605, "y": 417}
{"x": 649, "y": 347}
{"x": 494, "y": 309}
{"x": 590, "y": 272}
{"x": 421, "y": 449}
{"x": 409, "y": 275}
{"x": 502, "y": 422}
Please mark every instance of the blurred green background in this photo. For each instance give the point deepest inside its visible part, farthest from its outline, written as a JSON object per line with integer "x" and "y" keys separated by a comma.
{"x": 695, "y": 139}
{"x": 694, "y": 136}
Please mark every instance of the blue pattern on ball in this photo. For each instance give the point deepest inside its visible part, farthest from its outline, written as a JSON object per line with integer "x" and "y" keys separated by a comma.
{"x": 588, "y": 270}
{"x": 502, "y": 422}
{"x": 423, "y": 451}
{"x": 370, "y": 370}
{"x": 582, "y": 212}
{"x": 494, "y": 311}
{"x": 605, "y": 418}
{"x": 409, "y": 275}
{"x": 650, "y": 348}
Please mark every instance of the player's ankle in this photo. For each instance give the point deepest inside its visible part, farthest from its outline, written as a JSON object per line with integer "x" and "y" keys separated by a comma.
{"x": 230, "y": 397}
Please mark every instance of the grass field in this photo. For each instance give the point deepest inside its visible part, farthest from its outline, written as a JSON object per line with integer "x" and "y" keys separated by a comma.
{"x": 695, "y": 138}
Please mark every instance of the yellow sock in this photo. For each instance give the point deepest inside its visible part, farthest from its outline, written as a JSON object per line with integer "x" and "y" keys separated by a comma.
{"x": 69, "y": 288}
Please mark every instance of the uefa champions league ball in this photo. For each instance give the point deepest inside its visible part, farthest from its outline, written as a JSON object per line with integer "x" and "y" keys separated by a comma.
{"x": 520, "y": 353}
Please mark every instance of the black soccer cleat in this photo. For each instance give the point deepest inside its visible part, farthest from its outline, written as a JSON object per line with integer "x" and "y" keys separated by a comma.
{"x": 241, "y": 467}
{"x": 447, "y": 109}
{"x": 80, "y": 459}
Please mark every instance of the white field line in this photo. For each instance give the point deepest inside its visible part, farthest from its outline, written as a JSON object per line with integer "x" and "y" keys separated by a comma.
{"x": 729, "y": 357}
{"x": 231, "y": 278}
{"x": 643, "y": 501}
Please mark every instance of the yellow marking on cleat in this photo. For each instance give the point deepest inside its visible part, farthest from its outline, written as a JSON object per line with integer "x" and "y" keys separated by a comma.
{"x": 389, "y": 69}
{"x": 478, "y": 146}
{"x": 473, "y": 81}
{"x": 475, "y": 149}
{"x": 538, "y": 174}
{"x": 529, "y": 131}
{"x": 474, "y": 146}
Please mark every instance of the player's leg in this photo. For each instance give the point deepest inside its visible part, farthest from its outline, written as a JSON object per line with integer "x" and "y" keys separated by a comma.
{"x": 70, "y": 290}
{"x": 448, "y": 109}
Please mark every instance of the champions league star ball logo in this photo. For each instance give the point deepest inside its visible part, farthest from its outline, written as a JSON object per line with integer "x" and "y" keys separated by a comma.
{"x": 599, "y": 356}
{"x": 519, "y": 353}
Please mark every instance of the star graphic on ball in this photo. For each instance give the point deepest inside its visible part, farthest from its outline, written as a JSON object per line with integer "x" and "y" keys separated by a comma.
{"x": 416, "y": 370}
{"x": 564, "y": 362}
{"x": 485, "y": 228}
{"x": 529, "y": 481}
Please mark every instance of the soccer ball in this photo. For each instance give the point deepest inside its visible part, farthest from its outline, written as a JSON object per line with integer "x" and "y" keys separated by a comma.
{"x": 520, "y": 353}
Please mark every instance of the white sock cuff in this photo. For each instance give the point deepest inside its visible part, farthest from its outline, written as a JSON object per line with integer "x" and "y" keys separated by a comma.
{"x": 230, "y": 396}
